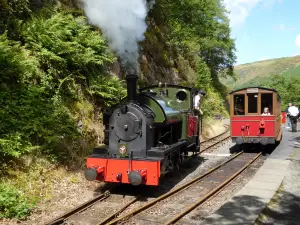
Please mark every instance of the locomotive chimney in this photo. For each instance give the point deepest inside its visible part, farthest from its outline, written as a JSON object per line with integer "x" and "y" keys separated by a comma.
{"x": 131, "y": 80}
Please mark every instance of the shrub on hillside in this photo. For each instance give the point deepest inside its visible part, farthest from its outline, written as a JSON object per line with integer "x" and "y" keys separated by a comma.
{"x": 12, "y": 202}
{"x": 63, "y": 62}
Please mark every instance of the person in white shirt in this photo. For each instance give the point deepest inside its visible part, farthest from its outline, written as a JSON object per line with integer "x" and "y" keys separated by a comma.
{"x": 293, "y": 112}
{"x": 266, "y": 112}
{"x": 288, "y": 116}
{"x": 197, "y": 99}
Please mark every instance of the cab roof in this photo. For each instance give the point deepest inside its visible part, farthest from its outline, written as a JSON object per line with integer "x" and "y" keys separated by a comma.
{"x": 261, "y": 88}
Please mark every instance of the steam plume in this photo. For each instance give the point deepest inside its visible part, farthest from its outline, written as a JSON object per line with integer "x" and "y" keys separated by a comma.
{"x": 122, "y": 23}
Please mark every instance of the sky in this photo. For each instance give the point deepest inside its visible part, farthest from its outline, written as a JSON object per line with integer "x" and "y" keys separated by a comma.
{"x": 264, "y": 29}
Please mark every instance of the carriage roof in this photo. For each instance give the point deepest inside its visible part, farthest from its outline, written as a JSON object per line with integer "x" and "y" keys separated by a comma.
{"x": 260, "y": 88}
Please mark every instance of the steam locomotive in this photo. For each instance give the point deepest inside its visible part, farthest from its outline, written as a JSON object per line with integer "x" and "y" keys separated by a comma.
{"x": 147, "y": 135}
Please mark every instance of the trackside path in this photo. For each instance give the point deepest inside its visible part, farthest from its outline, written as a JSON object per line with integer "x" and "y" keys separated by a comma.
{"x": 284, "y": 208}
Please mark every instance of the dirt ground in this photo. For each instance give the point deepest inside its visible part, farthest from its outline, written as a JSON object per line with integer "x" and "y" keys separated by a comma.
{"x": 212, "y": 128}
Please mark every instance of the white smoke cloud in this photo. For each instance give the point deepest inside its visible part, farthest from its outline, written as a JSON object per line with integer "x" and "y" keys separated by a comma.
{"x": 122, "y": 23}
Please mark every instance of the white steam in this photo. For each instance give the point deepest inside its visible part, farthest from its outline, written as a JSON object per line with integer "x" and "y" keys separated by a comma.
{"x": 122, "y": 23}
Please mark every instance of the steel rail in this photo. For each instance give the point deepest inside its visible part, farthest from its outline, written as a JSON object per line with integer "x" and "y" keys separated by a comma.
{"x": 211, "y": 193}
{"x": 170, "y": 193}
{"x": 103, "y": 196}
{"x": 227, "y": 129}
{"x": 79, "y": 209}
{"x": 205, "y": 149}
{"x": 210, "y": 146}
{"x": 109, "y": 218}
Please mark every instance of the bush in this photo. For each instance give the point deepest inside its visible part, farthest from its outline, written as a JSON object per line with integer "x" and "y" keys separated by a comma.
{"x": 197, "y": 34}
{"x": 64, "y": 61}
{"x": 12, "y": 202}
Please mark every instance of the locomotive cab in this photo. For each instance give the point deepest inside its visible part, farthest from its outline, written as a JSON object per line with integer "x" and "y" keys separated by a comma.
{"x": 255, "y": 116}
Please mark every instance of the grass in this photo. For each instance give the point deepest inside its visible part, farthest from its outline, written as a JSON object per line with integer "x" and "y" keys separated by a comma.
{"x": 250, "y": 72}
{"x": 271, "y": 205}
{"x": 29, "y": 183}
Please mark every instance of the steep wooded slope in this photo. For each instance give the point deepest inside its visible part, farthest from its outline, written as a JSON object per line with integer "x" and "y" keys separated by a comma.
{"x": 57, "y": 74}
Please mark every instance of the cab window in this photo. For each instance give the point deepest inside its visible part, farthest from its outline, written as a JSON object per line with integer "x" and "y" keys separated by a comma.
{"x": 267, "y": 102}
{"x": 252, "y": 103}
{"x": 239, "y": 104}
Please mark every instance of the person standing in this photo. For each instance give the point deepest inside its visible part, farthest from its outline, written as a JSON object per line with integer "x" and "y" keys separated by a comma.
{"x": 197, "y": 99}
{"x": 288, "y": 120}
{"x": 293, "y": 114}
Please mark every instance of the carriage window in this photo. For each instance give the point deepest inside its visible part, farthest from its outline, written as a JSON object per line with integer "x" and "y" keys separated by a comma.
{"x": 252, "y": 103}
{"x": 239, "y": 104}
{"x": 267, "y": 102}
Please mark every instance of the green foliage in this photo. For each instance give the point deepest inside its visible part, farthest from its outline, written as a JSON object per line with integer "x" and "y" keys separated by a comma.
{"x": 54, "y": 72}
{"x": 109, "y": 90}
{"x": 213, "y": 104}
{"x": 43, "y": 80}
{"x": 16, "y": 66}
{"x": 62, "y": 47}
{"x": 16, "y": 69}
{"x": 281, "y": 74}
{"x": 201, "y": 29}
{"x": 196, "y": 34}
{"x": 12, "y": 14}
{"x": 288, "y": 88}
{"x": 14, "y": 145}
{"x": 12, "y": 202}
{"x": 203, "y": 76}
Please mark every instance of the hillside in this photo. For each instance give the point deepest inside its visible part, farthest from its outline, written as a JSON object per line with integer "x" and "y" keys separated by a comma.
{"x": 282, "y": 74}
{"x": 258, "y": 72}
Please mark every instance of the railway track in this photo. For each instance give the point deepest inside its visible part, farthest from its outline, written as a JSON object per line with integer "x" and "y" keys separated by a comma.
{"x": 217, "y": 136}
{"x": 106, "y": 197}
{"x": 215, "y": 141}
{"x": 184, "y": 199}
{"x": 176, "y": 203}
{"x": 79, "y": 209}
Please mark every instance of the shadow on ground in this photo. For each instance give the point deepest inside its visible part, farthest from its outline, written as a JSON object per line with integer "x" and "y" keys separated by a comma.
{"x": 287, "y": 210}
{"x": 244, "y": 210}
{"x": 253, "y": 148}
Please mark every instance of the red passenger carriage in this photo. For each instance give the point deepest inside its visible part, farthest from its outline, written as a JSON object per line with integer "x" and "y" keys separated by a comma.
{"x": 248, "y": 125}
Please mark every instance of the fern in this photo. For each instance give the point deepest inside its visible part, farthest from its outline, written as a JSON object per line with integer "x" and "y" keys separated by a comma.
{"x": 17, "y": 66}
{"x": 67, "y": 44}
{"x": 109, "y": 89}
